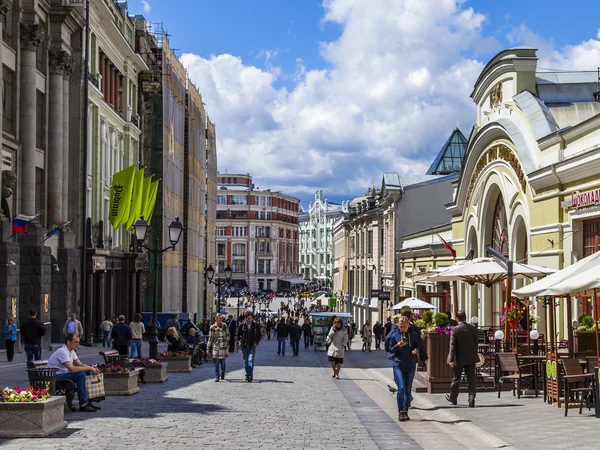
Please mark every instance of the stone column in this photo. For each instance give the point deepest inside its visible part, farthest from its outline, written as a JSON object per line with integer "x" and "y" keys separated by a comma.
{"x": 108, "y": 81}
{"x": 5, "y": 5}
{"x": 31, "y": 37}
{"x": 55, "y": 137}
{"x": 68, "y": 70}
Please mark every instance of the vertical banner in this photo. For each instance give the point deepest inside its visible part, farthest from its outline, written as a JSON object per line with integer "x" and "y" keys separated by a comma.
{"x": 137, "y": 196}
{"x": 46, "y": 303}
{"x": 13, "y": 307}
{"x": 149, "y": 209}
{"x": 120, "y": 197}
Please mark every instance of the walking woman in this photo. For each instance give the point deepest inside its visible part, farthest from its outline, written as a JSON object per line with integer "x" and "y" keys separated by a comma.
{"x": 218, "y": 345}
{"x": 403, "y": 347}
{"x": 137, "y": 331}
{"x": 337, "y": 340}
{"x": 10, "y": 337}
{"x": 367, "y": 335}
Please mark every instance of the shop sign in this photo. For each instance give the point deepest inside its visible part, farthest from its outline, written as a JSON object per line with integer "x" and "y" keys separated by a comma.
{"x": 582, "y": 199}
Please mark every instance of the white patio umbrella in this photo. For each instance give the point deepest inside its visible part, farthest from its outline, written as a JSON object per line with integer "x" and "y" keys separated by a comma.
{"x": 414, "y": 303}
{"x": 578, "y": 277}
{"x": 488, "y": 271}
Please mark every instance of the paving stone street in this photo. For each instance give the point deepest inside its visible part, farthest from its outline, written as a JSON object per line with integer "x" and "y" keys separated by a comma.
{"x": 294, "y": 403}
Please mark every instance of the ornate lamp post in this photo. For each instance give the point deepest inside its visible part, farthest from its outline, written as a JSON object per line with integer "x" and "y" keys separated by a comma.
{"x": 210, "y": 273}
{"x": 175, "y": 230}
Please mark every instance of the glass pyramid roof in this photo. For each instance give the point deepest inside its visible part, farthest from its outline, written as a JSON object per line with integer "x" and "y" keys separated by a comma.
{"x": 450, "y": 158}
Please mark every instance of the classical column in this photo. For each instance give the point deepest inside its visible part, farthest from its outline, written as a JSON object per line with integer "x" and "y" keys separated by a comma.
{"x": 68, "y": 70}
{"x": 55, "y": 137}
{"x": 108, "y": 81}
{"x": 5, "y": 5}
{"x": 31, "y": 37}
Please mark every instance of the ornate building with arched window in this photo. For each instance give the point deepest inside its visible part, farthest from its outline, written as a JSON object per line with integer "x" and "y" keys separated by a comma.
{"x": 529, "y": 183}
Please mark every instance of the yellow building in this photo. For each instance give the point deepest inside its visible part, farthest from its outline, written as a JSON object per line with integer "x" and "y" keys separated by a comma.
{"x": 535, "y": 146}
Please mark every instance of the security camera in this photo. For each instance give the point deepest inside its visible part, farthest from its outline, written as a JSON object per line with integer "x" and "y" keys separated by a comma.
{"x": 11, "y": 263}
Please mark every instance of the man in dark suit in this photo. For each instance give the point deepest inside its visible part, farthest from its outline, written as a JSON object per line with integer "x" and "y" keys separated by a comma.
{"x": 463, "y": 356}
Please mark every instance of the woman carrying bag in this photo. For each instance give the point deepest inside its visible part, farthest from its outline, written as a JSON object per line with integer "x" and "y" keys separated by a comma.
{"x": 367, "y": 335}
{"x": 337, "y": 339}
{"x": 218, "y": 345}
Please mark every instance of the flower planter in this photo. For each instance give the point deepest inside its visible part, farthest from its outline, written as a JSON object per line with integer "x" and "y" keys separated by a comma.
{"x": 514, "y": 324}
{"x": 177, "y": 364}
{"x": 156, "y": 373}
{"x": 121, "y": 383}
{"x": 36, "y": 419}
{"x": 585, "y": 341}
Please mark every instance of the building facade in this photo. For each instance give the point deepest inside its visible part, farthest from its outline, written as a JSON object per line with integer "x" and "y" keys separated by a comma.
{"x": 529, "y": 184}
{"x": 179, "y": 143}
{"x": 257, "y": 234}
{"x": 316, "y": 239}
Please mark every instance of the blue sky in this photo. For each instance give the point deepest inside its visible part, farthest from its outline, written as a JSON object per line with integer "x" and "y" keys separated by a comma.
{"x": 274, "y": 72}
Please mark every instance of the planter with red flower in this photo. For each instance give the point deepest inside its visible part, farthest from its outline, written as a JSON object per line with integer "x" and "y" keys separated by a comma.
{"x": 156, "y": 370}
{"x": 119, "y": 380}
{"x": 30, "y": 413}
{"x": 177, "y": 362}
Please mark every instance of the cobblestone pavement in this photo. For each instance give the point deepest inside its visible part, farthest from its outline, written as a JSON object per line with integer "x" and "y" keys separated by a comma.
{"x": 294, "y": 403}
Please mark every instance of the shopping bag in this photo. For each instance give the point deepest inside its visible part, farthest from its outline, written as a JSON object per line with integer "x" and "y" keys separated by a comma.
{"x": 95, "y": 387}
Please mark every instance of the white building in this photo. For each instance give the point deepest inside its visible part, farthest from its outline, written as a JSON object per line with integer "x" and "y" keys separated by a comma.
{"x": 316, "y": 238}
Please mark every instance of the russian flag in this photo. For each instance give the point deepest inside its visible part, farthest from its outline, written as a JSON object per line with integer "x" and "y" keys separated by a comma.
{"x": 21, "y": 223}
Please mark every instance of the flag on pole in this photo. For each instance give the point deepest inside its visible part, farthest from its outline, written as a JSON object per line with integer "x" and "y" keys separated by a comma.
{"x": 448, "y": 246}
{"x": 55, "y": 229}
{"x": 148, "y": 208}
{"x": 21, "y": 223}
{"x": 120, "y": 196}
{"x": 137, "y": 196}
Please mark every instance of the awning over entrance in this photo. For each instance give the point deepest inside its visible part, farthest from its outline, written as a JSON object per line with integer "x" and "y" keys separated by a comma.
{"x": 293, "y": 281}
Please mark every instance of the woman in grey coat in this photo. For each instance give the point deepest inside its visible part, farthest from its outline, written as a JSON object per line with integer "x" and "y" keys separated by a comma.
{"x": 337, "y": 339}
{"x": 218, "y": 345}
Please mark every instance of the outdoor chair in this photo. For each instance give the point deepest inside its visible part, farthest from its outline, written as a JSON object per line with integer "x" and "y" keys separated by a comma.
{"x": 564, "y": 344}
{"x": 574, "y": 376}
{"x": 511, "y": 371}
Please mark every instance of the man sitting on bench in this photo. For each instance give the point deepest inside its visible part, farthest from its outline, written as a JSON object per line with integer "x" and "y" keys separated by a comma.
{"x": 69, "y": 367}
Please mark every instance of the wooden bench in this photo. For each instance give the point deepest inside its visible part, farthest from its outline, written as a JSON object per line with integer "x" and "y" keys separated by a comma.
{"x": 113, "y": 357}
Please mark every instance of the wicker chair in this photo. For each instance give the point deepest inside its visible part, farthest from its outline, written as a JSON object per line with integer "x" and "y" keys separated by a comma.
{"x": 510, "y": 370}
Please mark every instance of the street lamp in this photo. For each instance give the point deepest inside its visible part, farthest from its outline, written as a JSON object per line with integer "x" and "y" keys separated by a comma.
{"x": 210, "y": 273}
{"x": 141, "y": 229}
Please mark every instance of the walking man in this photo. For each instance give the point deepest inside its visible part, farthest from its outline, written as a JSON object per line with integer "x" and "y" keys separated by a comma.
{"x": 249, "y": 334}
{"x": 33, "y": 330}
{"x": 73, "y": 326}
{"x": 106, "y": 326}
{"x": 378, "y": 332}
{"x": 295, "y": 334}
{"x": 463, "y": 356}
{"x": 121, "y": 335}
{"x": 232, "y": 327}
{"x": 306, "y": 331}
{"x": 282, "y": 335}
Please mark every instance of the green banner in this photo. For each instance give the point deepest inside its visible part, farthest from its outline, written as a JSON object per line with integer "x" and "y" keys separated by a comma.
{"x": 137, "y": 196}
{"x": 120, "y": 197}
{"x": 148, "y": 208}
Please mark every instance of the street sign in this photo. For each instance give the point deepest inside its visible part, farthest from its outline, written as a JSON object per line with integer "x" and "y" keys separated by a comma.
{"x": 374, "y": 293}
{"x": 383, "y": 295}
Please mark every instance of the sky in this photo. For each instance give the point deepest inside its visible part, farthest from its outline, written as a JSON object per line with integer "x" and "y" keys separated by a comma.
{"x": 330, "y": 94}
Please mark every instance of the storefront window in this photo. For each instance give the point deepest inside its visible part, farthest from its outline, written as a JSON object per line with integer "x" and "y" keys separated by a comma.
{"x": 591, "y": 239}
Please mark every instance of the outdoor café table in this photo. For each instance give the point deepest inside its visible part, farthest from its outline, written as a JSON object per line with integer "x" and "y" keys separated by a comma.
{"x": 540, "y": 360}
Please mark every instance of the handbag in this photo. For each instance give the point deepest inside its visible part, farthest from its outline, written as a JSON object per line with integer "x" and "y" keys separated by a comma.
{"x": 94, "y": 385}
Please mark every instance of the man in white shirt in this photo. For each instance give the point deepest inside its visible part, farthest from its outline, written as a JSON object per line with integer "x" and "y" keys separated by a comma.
{"x": 69, "y": 367}
{"x": 106, "y": 326}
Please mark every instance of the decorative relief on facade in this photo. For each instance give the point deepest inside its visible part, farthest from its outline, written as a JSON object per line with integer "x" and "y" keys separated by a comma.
{"x": 68, "y": 65}
{"x": 493, "y": 154}
{"x": 56, "y": 61}
{"x": 32, "y": 36}
{"x": 5, "y": 5}
{"x": 496, "y": 95}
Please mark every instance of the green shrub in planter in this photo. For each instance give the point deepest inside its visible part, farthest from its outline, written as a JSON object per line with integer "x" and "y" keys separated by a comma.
{"x": 428, "y": 317}
{"x": 441, "y": 319}
{"x": 586, "y": 323}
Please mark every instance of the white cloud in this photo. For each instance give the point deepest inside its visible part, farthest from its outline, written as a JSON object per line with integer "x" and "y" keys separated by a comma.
{"x": 147, "y": 7}
{"x": 396, "y": 85}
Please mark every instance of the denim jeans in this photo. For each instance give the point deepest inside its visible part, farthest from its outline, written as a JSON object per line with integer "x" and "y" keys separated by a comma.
{"x": 79, "y": 379}
{"x": 33, "y": 352}
{"x": 306, "y": 340}
{"x": 136, "y": 346}
{"x": 248, "y": 354}
{"x": 295, "y": 346}
{"x": 281, "y": 345}
{"x": 219, "y": 362}
{"x": 404, "y": 381}
{"x": 106, "y": 339}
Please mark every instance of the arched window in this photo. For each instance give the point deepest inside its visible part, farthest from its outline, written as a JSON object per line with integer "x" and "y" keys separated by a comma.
{"x": 500, "y": 228}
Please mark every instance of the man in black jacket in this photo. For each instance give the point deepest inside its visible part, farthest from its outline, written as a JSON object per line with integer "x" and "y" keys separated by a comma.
{"x": 295, "y": 334}
{"x": 463, "y": 356}
{"x": 32, "y": 331}
{"x": 282, "y": 335}
{"x": 121, "y": 336}
{"x": 249, "y": 335}
{"x": 232, "y": 327}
